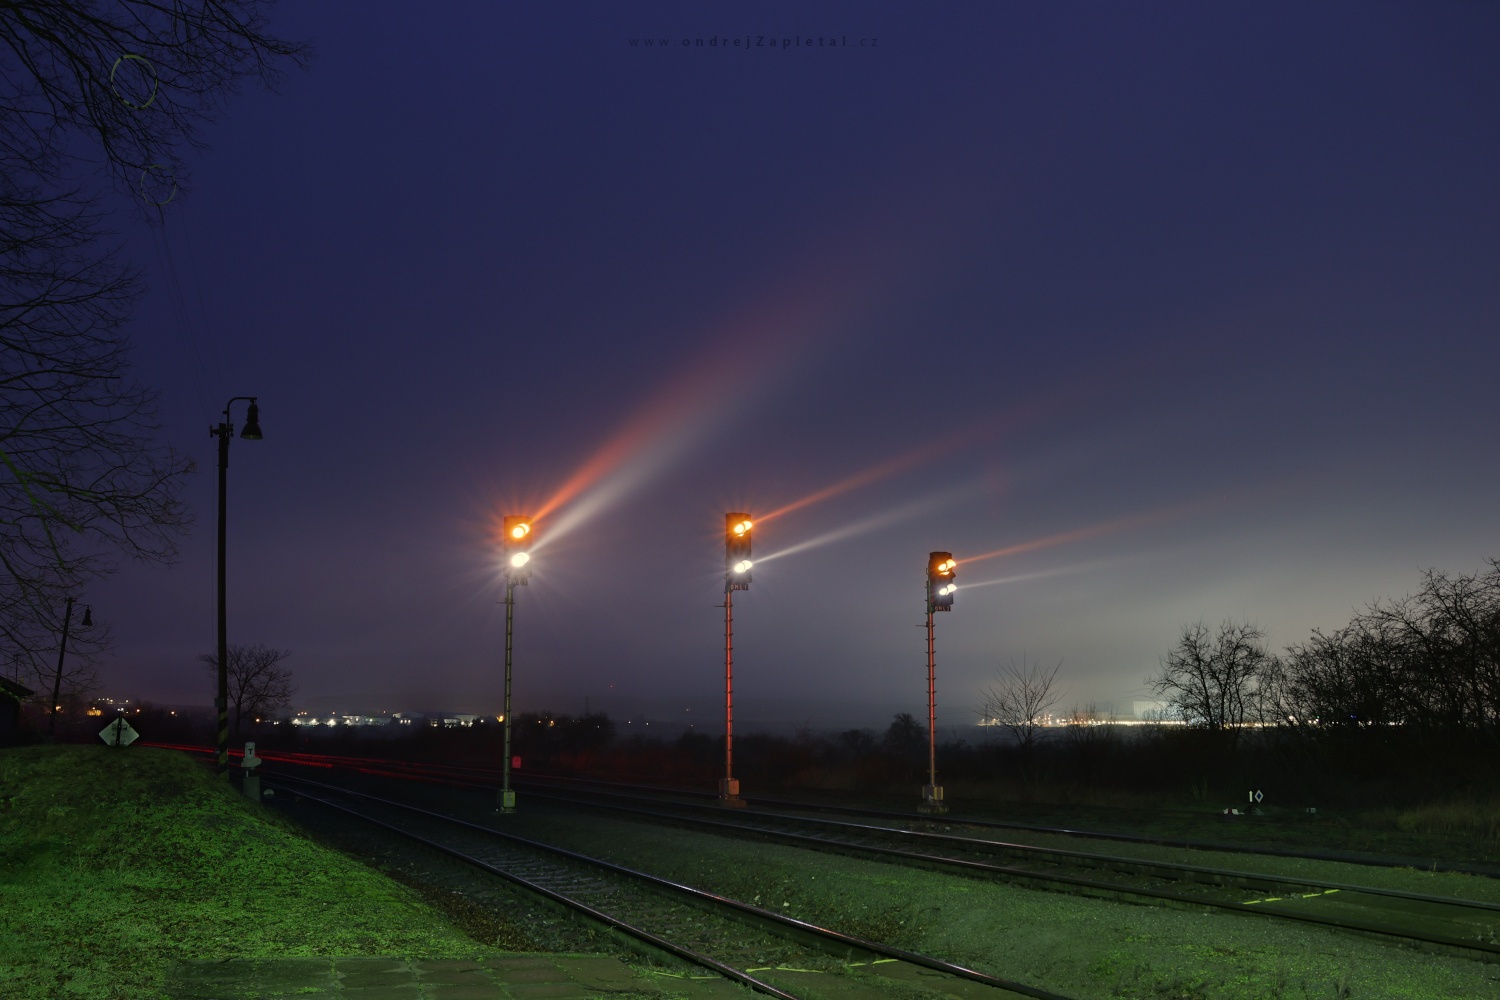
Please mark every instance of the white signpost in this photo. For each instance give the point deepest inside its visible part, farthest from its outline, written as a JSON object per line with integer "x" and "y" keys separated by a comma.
{"x": 252, "y": 780}
{"x": 119, "y": 733}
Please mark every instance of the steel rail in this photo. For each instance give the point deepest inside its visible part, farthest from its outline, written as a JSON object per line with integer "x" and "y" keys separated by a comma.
{"x": 843, "y": 942}
{"x": 1487, "y": 950}
{"x": 472, "y": 776}
{"x": 1175, "y": 871}
{"x": 951, "y": 819}
{"x": 639, "y": 933}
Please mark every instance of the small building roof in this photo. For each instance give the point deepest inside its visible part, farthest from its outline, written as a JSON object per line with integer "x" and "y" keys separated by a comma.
{"x": 14, "y": 689}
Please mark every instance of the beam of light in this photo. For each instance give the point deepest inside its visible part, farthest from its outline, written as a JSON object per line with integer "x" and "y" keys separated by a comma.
{"x": 930, "y": 451}
{"x": 872, "y": 523}
{"x": 840, "y": 277}
{"x": 1038, "y": 575}
{"x": 1081, "y": 534}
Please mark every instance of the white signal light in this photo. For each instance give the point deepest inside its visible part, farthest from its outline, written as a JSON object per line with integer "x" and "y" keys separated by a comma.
{"x": 519, "y": 559}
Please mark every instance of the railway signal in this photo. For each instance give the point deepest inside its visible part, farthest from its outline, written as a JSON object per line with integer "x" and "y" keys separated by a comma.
{"x": 941, "y": 585}
{"x": 738, "y": 527}
{"x": 941, "y": 582}
{"x": 516, "y": 544}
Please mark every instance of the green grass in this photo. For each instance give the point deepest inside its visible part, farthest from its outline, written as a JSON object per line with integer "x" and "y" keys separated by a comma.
{"x": 1474, "y": 820}
{"x": 117, "y": 863}
{"x": 1080, "y": 947}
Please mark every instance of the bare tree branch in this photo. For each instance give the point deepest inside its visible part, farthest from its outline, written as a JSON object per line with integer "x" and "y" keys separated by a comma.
{"x": 124, "y": 84}
{"x": 1019, "y": 701}
{"x": 258, "y": 683}
{"x": 1213, "y": 679}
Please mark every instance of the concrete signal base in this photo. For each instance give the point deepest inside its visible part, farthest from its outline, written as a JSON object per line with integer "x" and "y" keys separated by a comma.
{"x": 932, "y": 800}
{"x": 507, "y": 801}
{"x": 729, "y": 793}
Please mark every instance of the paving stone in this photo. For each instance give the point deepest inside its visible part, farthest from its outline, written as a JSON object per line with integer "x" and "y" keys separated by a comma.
{"x": 456, "y": 977}
{"x": 547, "y": 974}
{"x": 395, "y": 977}
{"x": 446, "y": 965}
{"x": 551, "y": 991}
{"x": 369, "y": 964}
{"x": 519, "y": 962}
{"x": 484, "y": 991}
{"x": 408, "y": 992}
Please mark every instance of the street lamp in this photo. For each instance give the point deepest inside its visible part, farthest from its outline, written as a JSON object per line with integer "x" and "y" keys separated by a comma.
{"x": 62, "y": 650}
{"x": 224, "y": 431}
{"x": 941, "y": 586}
{"x": 516, "y": 544}
{"x": 737, "y": 531}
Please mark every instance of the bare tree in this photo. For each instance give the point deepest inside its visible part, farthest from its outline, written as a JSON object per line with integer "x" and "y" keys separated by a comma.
{"x": 905, "y": 740}
{"x": 1212, "y": 679}
{"x": 1019, "y": 702}
{"x": 123, "y": 84}
{"x": 1429, "y": 660}
{"x": 258, "y": 683}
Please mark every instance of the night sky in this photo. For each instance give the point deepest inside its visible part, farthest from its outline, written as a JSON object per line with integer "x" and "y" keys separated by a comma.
{"x": 1188, "y": 311}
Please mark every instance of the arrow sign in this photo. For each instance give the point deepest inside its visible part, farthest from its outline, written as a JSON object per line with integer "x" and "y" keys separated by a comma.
{"x": 118, "y": 734}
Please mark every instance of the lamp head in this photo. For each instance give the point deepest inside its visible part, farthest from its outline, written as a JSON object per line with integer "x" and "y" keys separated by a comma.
{"x": 251, "y": 431}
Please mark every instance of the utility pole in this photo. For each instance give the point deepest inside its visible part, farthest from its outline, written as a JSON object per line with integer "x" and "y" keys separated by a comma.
{"x": 224, "y": 431}
{"x": 62, "y": 649}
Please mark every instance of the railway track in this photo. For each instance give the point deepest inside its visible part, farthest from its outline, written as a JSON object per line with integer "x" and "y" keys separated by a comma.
{"x": 1443, "y": 924}
{"x": 458, "y": 774}
{"x": 739, "y": 941}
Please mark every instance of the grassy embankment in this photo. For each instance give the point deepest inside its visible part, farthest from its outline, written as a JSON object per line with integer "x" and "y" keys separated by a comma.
{"x": 117, "y": 863}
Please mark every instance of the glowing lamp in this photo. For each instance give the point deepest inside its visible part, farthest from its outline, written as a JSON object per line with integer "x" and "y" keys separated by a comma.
{"x": 737, "y": 531}
{"x": 516, "y": 538}
{"x": 941, "y": 583}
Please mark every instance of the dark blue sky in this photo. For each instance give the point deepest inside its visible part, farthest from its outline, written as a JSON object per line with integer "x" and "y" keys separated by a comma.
{"x": 1193, "y": 306}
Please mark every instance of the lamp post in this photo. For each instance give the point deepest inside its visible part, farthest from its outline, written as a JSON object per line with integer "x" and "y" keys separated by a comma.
{"x": 224, "y": 431}
{"x": 62, "y": 651}
{"x": 517, "y": 542}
